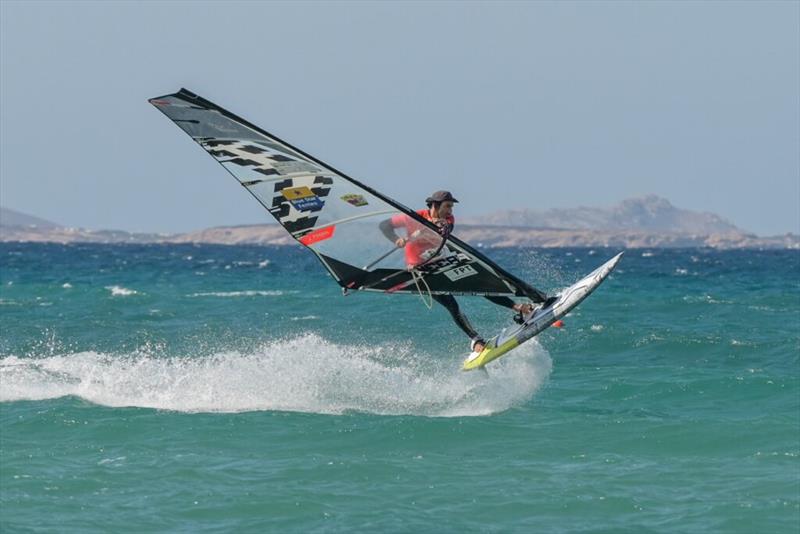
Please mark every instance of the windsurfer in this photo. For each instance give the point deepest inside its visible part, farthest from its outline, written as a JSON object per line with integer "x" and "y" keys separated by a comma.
{"x": 440, "y": 212}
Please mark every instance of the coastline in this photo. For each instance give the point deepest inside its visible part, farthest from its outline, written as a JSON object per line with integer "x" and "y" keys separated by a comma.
{"x": 489, "y": 236}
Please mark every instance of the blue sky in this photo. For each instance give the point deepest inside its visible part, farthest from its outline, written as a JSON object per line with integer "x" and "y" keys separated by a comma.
{"x": 509, "y": 105}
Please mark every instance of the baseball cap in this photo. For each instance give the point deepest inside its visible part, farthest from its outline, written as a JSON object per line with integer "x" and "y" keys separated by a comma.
{"x": 441, "y": 196}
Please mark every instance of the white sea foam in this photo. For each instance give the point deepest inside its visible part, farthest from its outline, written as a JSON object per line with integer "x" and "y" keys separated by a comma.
{"x": 67, "y": 285}
{"x": 111, "y": 461}
{"x": 304, "y": 374}
{"x": 119, "y": 291}
{"x": 246, "y": 293}
{"x": 705, "y": 298}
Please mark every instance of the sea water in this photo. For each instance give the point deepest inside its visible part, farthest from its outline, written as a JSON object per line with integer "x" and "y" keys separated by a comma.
{"x": 234, "y": 389}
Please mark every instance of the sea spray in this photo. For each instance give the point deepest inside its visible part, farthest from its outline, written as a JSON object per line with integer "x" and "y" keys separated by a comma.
{"x": 302, "y": 374}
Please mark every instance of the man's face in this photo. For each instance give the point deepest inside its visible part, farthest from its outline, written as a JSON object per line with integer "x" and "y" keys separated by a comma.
{"x": 445, "y": 209}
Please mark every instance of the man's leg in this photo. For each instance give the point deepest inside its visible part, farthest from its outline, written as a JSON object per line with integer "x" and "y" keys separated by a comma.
{"x": 451, "y": 305}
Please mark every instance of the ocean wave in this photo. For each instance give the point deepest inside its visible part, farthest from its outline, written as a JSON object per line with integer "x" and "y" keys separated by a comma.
{"x": 305, "y": 318}
{"x": 244, "y": 293}
{"x": 707, "y": 299}
{"x": 119, "y": 291}
{"x": 302, "y": 374}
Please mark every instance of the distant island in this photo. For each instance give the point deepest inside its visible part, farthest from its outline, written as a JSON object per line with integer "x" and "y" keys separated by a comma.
{"x": 644, "y": 222}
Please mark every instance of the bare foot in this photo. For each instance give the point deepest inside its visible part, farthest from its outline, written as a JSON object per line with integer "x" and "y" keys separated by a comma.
{"x": 524, "y": 309}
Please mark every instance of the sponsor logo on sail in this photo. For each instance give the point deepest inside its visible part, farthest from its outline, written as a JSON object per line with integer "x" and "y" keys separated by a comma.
{"x": 317, "y": 235}
{"x": 302, "y": 198}
{"x": 355, "y": 200}
{"x": 457, "y": 273}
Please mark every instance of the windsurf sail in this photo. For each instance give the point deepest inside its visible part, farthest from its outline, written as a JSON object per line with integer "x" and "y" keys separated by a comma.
{"x": 341, "y": 220}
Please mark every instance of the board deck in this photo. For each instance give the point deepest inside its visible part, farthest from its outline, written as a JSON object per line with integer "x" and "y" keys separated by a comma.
{"x": 541, "y": 318}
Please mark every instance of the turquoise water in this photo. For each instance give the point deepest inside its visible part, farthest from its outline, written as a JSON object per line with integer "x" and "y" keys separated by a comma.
{"x": 211, "y": 389}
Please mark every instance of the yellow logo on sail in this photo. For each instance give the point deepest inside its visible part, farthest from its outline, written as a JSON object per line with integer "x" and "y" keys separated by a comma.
{"x": 296, "y": 193}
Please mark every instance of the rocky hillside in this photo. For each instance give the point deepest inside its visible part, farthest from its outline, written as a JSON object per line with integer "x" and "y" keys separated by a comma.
{"x": 636, "y": 223}
{"x": 15, "y": 218}
{"x": 651, "y": 214}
